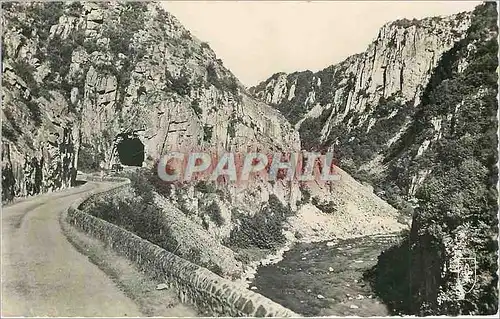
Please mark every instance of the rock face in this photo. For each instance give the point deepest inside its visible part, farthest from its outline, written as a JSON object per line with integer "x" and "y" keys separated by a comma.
{"x": 80, "y": 78}
{"x": 415, "y": 116}
{"x": 362, "y": 105}
{"x": 399, "y": 62}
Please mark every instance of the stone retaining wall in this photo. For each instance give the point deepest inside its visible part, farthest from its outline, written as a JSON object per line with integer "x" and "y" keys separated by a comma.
{"x": 210, "y": 293}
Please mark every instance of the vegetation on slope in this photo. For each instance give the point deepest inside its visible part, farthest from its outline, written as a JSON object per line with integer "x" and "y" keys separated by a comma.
{"x": 457, "y": 213}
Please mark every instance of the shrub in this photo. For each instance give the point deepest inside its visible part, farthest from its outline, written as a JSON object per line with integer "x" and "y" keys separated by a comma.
{"x": 232, "y": 86}
{"x": 89, "y": 159}
{"x": 262, "y": 230}
{"x": 195, "y": 105}
{"x": 186, "y": 35}
{"x": 9, "y": 133}
{"x": 8, "y": 184}
{"x": 204, "y": 223}
{"x": 243, "y": 256}
{"x": 179, "y": 85}
{"x": 212, "y": 76}
{"x": 142, "y": 186}
{"x": 306, "y": 194}
{"x": 363, "y": 93}
{"x": 44, "y": 16}
{"x": 230, "y": 128}
{"x": 75, "y": 9}
{"x": 204, "y": 187}
{"x": 329, "y": 207}
{"x": 309, "y": 130}
{"x": 213, "y": 267}
{"x": 90, "y": 46}
{"x": 215, "y": 214}
{"x": 141, "y": 90}
{"x": 25, "y": 71}
{"x": 137, "y": 216}
{"x": 207, "y": 133}
{"x": 151, "y": 177}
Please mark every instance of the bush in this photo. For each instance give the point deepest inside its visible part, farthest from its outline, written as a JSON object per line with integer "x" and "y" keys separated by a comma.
{"x": 44, "y": 16}
{"x": 329, "y": 207}
{"x": 262, "y": 230}
{"x": 207, "y": 133}
{"x": 137, "y": 216}
{"x": 160, "y": 186}
{"x": 195, "y": 105}
{"x": 204, "y": 187}
{"x": 186, "y": 35}
{"x": 9, "y": 133}
{"x": 232, "y": 86}
{"x": 75, "y": 9}
{"x": 230, "y": 128}
{"x": 179, "y": 85}
{"x": 141, "y": 90}
{"x": 215, "y": 214}
{"x": 306, "y": 194}
{"x": 147, "y": 181}
{"x": 89, "y": 159}
{"x": 309, "y": 130}
{"x": 59, "y": 53}
{"x": 212, "y": 76}
{"x": 25, "y": 71}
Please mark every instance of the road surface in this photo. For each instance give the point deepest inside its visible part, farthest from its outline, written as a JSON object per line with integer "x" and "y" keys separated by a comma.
{"x": 43, "y": 274}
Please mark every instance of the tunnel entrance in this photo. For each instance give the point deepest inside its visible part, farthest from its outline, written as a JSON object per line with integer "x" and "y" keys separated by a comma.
{"x": 130, "y": 150}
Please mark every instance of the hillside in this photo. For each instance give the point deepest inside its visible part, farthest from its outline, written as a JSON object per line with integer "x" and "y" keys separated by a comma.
{"x": 362, "y": 106}
{"x": 415, "y": 116}
{"x": 81, "y": 78}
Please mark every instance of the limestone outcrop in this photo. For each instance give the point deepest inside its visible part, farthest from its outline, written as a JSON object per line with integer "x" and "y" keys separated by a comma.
{"x": 79, "y": 77}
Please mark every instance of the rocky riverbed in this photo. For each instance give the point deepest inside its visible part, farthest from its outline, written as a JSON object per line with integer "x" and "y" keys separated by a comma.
{"x": 325, "y": 278}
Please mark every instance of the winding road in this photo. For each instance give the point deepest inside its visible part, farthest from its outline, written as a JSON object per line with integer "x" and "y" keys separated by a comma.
{"x": 43, "y": 274}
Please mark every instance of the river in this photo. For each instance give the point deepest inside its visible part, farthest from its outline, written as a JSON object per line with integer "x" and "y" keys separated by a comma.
{"x": 325, "y": 278}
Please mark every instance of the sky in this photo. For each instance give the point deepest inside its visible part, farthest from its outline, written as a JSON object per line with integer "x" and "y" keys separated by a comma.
{"x": 256, "y": 39}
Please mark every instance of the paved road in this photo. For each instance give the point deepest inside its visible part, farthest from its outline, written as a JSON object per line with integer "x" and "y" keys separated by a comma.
{"x": 43, "y": 274}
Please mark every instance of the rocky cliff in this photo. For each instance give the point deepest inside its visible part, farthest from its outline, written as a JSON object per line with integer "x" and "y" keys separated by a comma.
{"x": 81, "y": 79}
{"x": 415, "y": 116}
{"x": 361, "y": 106}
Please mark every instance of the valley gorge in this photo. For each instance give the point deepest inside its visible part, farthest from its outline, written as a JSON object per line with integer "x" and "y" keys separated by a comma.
{"x": 412, "y": 122}
{"x": 400, "y": 118}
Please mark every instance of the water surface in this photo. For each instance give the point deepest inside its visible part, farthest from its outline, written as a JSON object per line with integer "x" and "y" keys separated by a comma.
{"x": 325, "y": 278}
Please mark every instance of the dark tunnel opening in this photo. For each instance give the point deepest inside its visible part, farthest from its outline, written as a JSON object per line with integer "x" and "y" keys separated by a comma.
{"x": 130, "y": 151}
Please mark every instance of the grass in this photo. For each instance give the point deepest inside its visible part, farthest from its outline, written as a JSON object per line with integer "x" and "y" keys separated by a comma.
{"x": 136, "y": 285}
